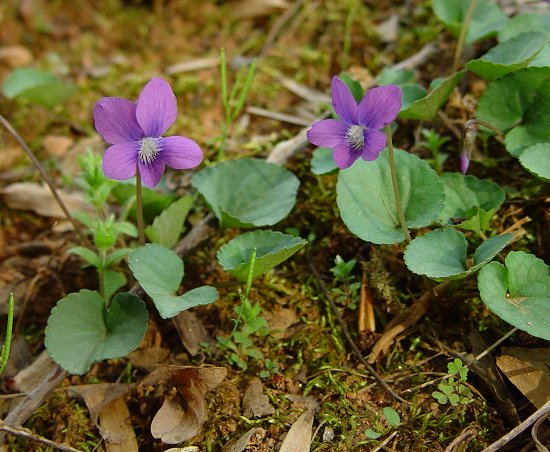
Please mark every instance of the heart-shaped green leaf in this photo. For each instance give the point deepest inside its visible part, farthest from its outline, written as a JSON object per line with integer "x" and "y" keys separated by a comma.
{"x": 112, "y": 280}
{"x": 441, "y": 254}
{"x": 509, "y": 56}
{"x": 272, "y": 248}
{"x": 168, "y": 226}
{"x": 519, "y": 292}
{"x": 529, "y": 22}
{"x": 519, "y": 105}
{"x": 536, "y": 160}
{"x": 37, "y": 86}
{"x": 463, "y": 192}
{"x": 80, "y": 332}
{"x": 322, "y": 161}
{"x": 428, "y": 106}
{"x": 247, "y": 192}
{"x": 486, "y": 21}
{"x": 160, "y": 271}
{"x": 366, "y": 200}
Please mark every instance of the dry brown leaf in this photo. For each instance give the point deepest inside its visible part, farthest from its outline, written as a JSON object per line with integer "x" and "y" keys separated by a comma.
{"x": 16, "y": 55}
{"x": 298, "y": 438}
{"x": 179, "y": 420}
{"x": 254, "y": 8}
{"x": 280, "y": 320}
{"x": 98, "y": 396}
{"x": 528, "y": 370}
{"x": 116, "y": 429}
{"x": 57, "y": 145}
{"x": 38, "y": 198}
{"x": 255, "y": 402}
{"x": 309, "y": 402}
{"x": 191, "y": 331}
{"x": 148, "y": 358}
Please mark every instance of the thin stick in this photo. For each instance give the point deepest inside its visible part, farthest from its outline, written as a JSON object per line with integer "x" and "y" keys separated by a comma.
{"x": 27, "y": 434}
{"x": 349, "y": 339}
{"x": 44, "y": 176}
{"x": 391, "y": 159}
{"x": 492, "y": 347}
{"x": 462, "y": 37}
{"x": 139, "y": 206}
{"x": 541, "y": 412}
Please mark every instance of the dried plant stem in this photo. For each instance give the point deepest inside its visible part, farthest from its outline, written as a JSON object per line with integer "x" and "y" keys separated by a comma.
{"x": 139, "y": 207}
{"x": 44, "y": 176}
{"x": 395, "y": 186}
{"x": 462, "y": 37}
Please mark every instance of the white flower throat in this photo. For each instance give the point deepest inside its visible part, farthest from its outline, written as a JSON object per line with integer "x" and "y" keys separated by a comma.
{"x": 355, "y": 137}
{"x": 149, "y": 149}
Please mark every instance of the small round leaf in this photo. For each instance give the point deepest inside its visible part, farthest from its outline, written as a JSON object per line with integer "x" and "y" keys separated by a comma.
{"x": 247, "y": 192}
{"x": 536, "y": 160}
{"x": 80, "y": 332}
{"x": 366, "y": 200}
{"x": 519, "y": 292}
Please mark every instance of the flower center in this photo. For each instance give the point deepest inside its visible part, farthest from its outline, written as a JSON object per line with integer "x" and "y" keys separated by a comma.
{"x": 355, "y": 137}
{"x": 148, "y": 150}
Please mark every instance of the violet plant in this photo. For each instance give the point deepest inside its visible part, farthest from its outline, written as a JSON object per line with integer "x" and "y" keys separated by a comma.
{"x": 387, "y": 193}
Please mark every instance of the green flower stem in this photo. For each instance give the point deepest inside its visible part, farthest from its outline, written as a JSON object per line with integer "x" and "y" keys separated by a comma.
{"x": 139, "y": 206}
{"x": 462, "y": 37}
{"x": 101, "y": 272}
{"x": 395, "y": 186}
{"x": 6, "y": 347}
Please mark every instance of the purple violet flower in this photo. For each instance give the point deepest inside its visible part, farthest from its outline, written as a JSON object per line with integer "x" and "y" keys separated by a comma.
{"x": 134, "y": 130}
{"x": 357, "y": 133}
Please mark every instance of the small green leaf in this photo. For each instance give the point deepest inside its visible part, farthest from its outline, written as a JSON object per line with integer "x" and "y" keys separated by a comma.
{"x": 411, "y": 93}
{"x": 400, "y": 77}
{"x": 36, "y": 86}
{"x": 123, "y": 227}
{"x": 438, "y": 254}
{"x": 371, "y": 434}
{"x": 86, "y": 254}
{"x": 454, "y": 366}
{"x": 463, "y": 192}
{"x": 154, "y": 203}
{"x": 391, "y": 416}
{"x": 113, "y": 281}
{"x": 158, "y": 269}
{"x": 509, "y": 56}
{"x": 489, "y": 249}
{"x": 454, "y": 399}
{"x": 322, "y": 162}
{"x": 272, "y": 248}
{"x": 519, "y": 292}
{"x": 116, "y": 256}
{"x": 486, "y": 21}
{"x": 529, "y": 22}
{"x": 428, "y": 106}
{"x": 169, "y": 305}
{"x": 440, "y": 397}
{"x": 519, "y": 104}
{"x": 366, "y": 200}
{"x": 536, "y": 160}
{"x": 463, "y": 373}
{"x": 80, "y": 332}
{"x": 168, "y": 226}
{"x": 479, "y": 221}
{"x": 247, "y": 192}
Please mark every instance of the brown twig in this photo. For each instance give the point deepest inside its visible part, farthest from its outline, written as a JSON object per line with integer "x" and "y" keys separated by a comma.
{"x": 541, "y": 412}
{"x": 27, "y": 434}
{"x": 466, "y": 436}
{"x": 44, "y": 176}
{"x": 348, "y": 337}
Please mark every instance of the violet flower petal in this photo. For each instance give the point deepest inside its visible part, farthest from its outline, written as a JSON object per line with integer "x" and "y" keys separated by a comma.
{"x": 115, "y": 120}
{"x": 151, "y": 172}
{"x": 119, "y": 160}
{"x": 375, "y": 141}
{"x": 180, "y": 152}
{"x": 380, "y": 106}
{"x": 344, "y": 156}
{"x": 343, "y": 101}
{"x": 327, "y": 133}
{"x": 156, "y": 107}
